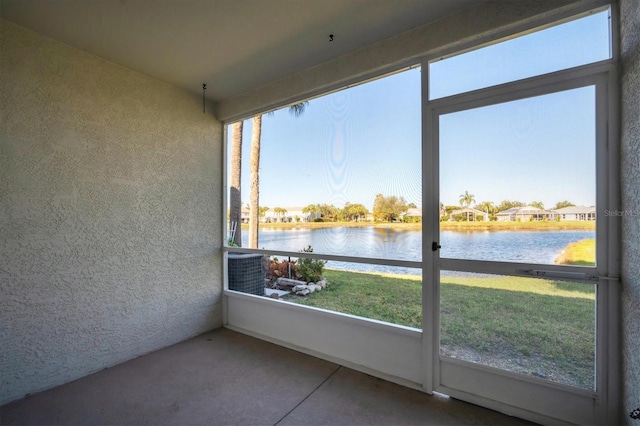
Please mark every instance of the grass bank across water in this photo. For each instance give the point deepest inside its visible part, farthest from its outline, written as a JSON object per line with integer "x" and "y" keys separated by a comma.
{"x": 580, "y": 253}
{"x": 576, "y": 225}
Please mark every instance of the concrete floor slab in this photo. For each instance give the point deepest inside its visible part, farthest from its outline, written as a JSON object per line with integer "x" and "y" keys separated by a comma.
{"x": 352, "y": 398}
{"x": 227, "y": 378}
{"x": 221, "y": 377}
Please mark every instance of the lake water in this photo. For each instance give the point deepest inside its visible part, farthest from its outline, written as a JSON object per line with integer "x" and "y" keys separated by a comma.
{"x": 387, "y": 243}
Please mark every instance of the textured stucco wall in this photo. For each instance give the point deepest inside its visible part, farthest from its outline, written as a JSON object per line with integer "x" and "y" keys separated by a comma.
{"x": 630, "y": 179}
{"x": 110, "y": 193}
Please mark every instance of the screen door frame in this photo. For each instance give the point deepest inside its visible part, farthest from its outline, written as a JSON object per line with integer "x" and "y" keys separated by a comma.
{"x": 500, "y": 389}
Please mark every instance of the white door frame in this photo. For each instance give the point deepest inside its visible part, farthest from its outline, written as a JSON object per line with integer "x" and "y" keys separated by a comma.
{"x": 501, "y": 390}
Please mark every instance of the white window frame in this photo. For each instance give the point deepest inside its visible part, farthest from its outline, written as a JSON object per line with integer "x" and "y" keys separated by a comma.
{"x": 406, "y": 356}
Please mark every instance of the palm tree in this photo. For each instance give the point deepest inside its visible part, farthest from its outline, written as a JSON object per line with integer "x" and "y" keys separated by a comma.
{"x": 466, "y": 200}
{"x": 488, "y": 207}
{"x": 235, "y": 199}
{"x": 256, "y": 133}
{"x": 280, "y": 212}
{"x": 311, "y": 210}
{"x": 254, "y": 212}
{"x": 298, "y": 109}
{"x": 263, "y": 210}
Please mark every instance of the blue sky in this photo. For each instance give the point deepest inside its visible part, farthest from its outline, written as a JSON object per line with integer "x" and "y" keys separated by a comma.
{"x": 350, "y": 145}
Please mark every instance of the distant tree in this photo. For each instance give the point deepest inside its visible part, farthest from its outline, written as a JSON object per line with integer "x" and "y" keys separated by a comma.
{"x": 263, "y": 210}
{"x": 344, "y": 212}
{"x": 388, "y": 208}
{"x": 466, "y": 200}
{"x": 442, "y": 212}
{"x": 412, "y": 206}
{"x": 313, "y": 209}
{"x": 280, "y": 212}
{"x": 506, "y": 205}
{"x": 562, "y": 204}
{"x": 329, "y": 212}
{"x": 446, "y": 211}
{"x": 537, "y": 204}
{"x": 449, "y": 209}
{"x": 355, "y": 212}
{"x": 487, "y": 206}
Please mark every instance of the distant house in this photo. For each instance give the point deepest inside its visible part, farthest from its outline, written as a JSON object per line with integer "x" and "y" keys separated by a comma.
{"x": 290, "y": 214}
{"x": 295, "y": 214}
{"x": 413, "y": 212}
{"x": 577, "y": 213}
{"x": 524, "y": 214}
{"x": 244, "y": 215}
{"x": 469, "y": 213}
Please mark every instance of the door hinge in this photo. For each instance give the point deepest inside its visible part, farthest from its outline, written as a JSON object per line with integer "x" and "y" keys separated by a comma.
{"x": 435, "y": 246}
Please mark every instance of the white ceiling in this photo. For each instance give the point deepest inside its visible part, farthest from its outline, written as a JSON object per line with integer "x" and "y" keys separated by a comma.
{"x": 232, "y": 45}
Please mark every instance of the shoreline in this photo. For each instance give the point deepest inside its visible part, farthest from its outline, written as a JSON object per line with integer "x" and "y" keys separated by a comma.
{"x": 577, "y": 225}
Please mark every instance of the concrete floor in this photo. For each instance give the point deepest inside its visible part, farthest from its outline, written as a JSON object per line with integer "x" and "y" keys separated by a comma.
{"x": 224, "y": 377}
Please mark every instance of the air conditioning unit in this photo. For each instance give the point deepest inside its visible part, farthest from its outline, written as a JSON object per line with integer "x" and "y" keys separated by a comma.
{"x": 245, "y": 273}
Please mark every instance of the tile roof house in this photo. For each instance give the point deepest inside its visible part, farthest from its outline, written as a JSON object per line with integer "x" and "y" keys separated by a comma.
{"x": 577, "y": 213}
{"x": 524, "y": 214}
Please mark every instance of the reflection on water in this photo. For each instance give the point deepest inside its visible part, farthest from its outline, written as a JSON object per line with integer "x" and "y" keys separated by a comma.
{"x": 398, "y": 244}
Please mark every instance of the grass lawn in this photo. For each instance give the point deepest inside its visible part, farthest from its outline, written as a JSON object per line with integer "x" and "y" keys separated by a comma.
{"x": 394, "y": 299}
{"x": 533, "y": 326}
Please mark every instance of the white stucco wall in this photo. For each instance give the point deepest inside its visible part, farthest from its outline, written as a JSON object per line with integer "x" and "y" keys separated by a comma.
{"x": 630, "y": 179}
{"x": 110, "y": 194}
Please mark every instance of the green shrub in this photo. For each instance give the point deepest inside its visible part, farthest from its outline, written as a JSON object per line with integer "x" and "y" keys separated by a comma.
{"x": 412, "y": 219}
{"x": 309, "y": 270}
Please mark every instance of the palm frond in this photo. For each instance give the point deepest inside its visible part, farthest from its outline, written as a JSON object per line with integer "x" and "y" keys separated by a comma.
{"x": 298, "y": 109}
